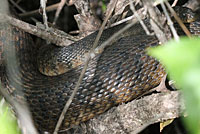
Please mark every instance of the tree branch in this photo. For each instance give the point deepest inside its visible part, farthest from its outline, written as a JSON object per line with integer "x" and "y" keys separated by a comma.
{"x": 137, "y": 114}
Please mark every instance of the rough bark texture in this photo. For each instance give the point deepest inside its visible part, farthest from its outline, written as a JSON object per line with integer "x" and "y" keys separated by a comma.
{"x": 136, "y": 115}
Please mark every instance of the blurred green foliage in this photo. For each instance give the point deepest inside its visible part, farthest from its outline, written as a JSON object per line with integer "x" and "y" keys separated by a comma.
{"x": 182, "y": 61}
{"x": 8, "y": 123}
{"x": 103, "y": 6}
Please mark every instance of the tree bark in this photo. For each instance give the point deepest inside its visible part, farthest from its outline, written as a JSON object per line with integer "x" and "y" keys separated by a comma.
{"x": 136, "y": 115}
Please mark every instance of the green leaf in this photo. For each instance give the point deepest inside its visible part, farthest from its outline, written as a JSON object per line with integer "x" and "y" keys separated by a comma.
{"x": 8, "y": 124}
{"x": 103, "y": 6}
{"x": 182, "y": 61}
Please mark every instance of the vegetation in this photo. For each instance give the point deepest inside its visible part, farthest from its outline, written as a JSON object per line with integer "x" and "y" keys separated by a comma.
{"x": 8, "y": 123}
{"x": 182, "y": 61}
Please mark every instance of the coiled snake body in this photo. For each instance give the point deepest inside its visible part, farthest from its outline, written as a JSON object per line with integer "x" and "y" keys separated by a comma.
{"x": 121, "y": 73}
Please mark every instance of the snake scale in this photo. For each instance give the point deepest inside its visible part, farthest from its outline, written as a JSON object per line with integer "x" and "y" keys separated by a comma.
{"x": 121, "y": 73}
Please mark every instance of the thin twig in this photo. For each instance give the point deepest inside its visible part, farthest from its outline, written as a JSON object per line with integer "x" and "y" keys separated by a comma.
{"x": 63, "y": 39}
{"x": 155, "y": 21}
{"x": 60, "y": 7}
{"x": 176, "y": 37}
{"x": 101, "y": 48}
{"x": 21, "y": 9}
{"x": 83, "y": 70}
{"x": 187, "y": 32}
{"x": 122, "y": 21}
{"x": 32, "y": 13}
{"x": 44, "y": 14}
{"x": 103, "y": 25}
{"x": 132, "y": 7}
{"x": 141, "y": 11}
{"x": 18, "y": 1}
{"x": 174, "y": 3}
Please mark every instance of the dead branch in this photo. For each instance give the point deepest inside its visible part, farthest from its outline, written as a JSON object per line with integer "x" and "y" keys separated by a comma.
{"x": 34, "y": 12}
{"x": 137, "y": 114}
{"x": 54, "y": 36}
{"x": 60, "y": 7}
{"x": 86, "y": 21}
{"x": 156, "y": 21}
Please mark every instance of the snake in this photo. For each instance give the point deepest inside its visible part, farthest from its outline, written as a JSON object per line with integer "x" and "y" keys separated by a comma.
{"x": 121, "y": 73}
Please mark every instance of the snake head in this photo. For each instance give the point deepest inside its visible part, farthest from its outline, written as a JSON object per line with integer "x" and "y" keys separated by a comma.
{"x": 187, "y": 15}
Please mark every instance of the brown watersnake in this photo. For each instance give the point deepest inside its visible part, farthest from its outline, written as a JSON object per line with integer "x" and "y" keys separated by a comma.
{"x": 121, "y": 73}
